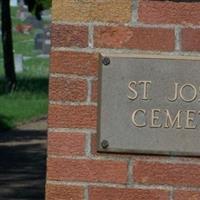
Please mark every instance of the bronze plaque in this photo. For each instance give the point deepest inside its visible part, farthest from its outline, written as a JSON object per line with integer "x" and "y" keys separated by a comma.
{"x": 149, "y": 106}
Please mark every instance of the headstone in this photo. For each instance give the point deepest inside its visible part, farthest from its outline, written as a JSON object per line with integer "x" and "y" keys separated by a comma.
{"x": 38, "y": 41}
{"x": 46, "y": 15}
{"x": 46, "y": 46}
{"x": 18, "y": 63}
{"x": 47, "y": 41}
{"x": 22, "y": 12}
{"x": 23, "y": 28}
{"x": 38, "y": 24}
{"x": 47, "y": 32}
{"x": 21, "y": 3}
{"x": 42, "y": 41}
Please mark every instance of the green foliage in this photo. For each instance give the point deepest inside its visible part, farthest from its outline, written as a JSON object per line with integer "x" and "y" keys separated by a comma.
{"x": 36, "y": 6}
{"x": 46, "y": 3}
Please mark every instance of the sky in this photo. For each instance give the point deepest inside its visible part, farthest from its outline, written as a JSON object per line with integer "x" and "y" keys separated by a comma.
{"x": 13, "y": 2}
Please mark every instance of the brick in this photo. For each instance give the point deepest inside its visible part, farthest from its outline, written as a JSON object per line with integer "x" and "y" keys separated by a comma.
{"x": 92, "y": 10}
{"x": 61, "y": 192}
{"x": 61, "y": 89}
{"x": 64, "y": 116}
{"x": 103, "y": 171}
{"x": 157, "y": 39}
{"x": 99, "y": 193}
{"x": 94, "y": 90}
{"x": 94, "y": 145}
{"x": 69, "y": 36}
{"x": 169, "y": 12}
{"x": 167, "y": 173}
{"x": 190, "y": 39}
{"x": 186, "y": 195}
{"x": 77, "y": 63}
{"x": 68, "y": 144}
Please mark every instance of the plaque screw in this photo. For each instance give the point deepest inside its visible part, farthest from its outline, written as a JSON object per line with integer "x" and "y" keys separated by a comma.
{"x": 105, "y": 144}
{"x": 106, "y": 61}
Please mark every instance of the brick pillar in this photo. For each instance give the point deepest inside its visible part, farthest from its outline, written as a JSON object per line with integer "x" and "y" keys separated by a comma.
{"x": 82, "y": 29}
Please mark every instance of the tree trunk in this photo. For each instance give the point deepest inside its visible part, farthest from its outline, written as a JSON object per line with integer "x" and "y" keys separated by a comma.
{"x": 8, "y": 45}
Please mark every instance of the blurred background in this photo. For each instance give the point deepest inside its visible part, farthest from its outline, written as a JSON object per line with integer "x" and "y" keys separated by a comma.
{"x": 24, "y": 68}
{"x": 25, "y": 99}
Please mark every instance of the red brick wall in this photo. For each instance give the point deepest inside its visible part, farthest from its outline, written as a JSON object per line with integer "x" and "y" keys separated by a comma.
{"x": 80, "y": 31}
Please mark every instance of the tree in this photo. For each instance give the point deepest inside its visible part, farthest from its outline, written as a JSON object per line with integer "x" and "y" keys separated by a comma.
{"x": 7, "y": 45}
{"x": 37, "y": 6}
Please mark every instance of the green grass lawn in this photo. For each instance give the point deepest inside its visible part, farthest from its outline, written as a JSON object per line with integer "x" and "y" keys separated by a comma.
{"x": 30, "y": 100}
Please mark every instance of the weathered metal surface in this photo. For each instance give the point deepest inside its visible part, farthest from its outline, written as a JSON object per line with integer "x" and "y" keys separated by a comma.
{"x": 149, "y": 106}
